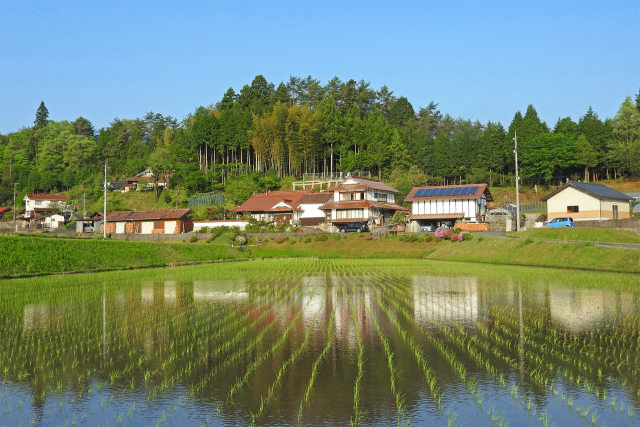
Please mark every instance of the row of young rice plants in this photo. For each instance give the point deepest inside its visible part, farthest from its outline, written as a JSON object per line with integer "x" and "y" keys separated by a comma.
{"x": 459, "y": 338}
{"x": 359, "y": 416}
{"x": 315, "y": 368}
{"x": 536, "y": 367}
{"x": 398, "y": 396}
{"x": 266, "y": 399}
{"x": 391, "y": 291}
{"x": 578, "y": 365}
{"x": 249, "y": 341}
{"x": 243, "y": 380}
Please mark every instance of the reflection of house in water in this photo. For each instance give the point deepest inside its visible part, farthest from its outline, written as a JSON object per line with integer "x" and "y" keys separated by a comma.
{"x": 449, "y": 299}
{"x": 312, "y": 303}
{"x": 220, "y": 290}
{"x": 35, "y": 317}
{"x": 578, "y": 310}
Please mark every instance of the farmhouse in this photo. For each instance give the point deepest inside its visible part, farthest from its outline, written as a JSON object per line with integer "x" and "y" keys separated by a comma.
{"x": 42, "y": 202}
{"x": 447, "y": 203}
{"x": 143, "y": 181}
{"x": 276, "y": 206}
{"x": 361, "y": 199}
{"x": 585, "y": 201}
{"x": 309, "y": 212}
{"x": 166, "y": 221}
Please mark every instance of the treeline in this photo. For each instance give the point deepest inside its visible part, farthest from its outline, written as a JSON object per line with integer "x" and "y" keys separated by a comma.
{"x": 262, "y": 133}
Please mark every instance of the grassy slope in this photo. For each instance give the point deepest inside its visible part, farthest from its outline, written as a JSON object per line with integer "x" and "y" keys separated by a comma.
{"x": 41, "y": 255}
{"x": 499, "y": 251}
{"x": 609, "y": 235}
{"x": 38, "y": 255}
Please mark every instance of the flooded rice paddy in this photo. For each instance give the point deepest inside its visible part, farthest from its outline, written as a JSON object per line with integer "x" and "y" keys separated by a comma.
{"x": 322, "y": 342}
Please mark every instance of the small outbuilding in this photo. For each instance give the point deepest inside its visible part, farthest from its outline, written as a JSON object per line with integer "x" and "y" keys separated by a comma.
{"x": 165, "y": 221}
{"x": 585, "y": 201}
{"x": 309, "y": 212}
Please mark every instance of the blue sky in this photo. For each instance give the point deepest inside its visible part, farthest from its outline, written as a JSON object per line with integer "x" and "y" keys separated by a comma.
{"x": 478, "y": 60}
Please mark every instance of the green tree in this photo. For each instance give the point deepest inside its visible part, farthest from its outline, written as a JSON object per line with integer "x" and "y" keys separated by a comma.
{"x": 566, "y": 126}
{"x": 585, "y": 155}
{"x": 42, "y": 114}
{"x": 401, "y": 112}
{"x": 83, "y": 127}
{"x": 624, "y": 147}
{"x": 545, "y": 155}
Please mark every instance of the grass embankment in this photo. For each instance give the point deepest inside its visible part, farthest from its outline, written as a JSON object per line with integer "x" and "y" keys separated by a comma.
{"x": 604, "y": 235}
{"x": 486, "y": 250}
{"x": 24, "y": 256}
{"x": 31, "y": 255}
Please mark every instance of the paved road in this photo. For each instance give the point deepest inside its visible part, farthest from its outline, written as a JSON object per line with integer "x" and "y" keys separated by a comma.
{"x": 502, "y": 235}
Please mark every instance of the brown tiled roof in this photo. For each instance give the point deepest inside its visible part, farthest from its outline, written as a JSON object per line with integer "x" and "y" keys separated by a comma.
{"x": 47, "y": 197}
{"x": 437, "y": 216}
{"x": 482, "y": 188}
{"x": 355, "y": 204}
{"x": 363, "y": 184}
{"x": 161, "y": 214}
{"x": 322, "y": 197}
{"x": 5, "y": 209}
{"x": 265, "y": 202}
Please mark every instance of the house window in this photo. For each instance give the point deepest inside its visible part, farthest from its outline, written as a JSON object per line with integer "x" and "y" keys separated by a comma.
{"x": 38, "y": 202}
{"x": 349, "y": 213}
{"x": 380, "y": 197}
{"x": 573, "y": 209}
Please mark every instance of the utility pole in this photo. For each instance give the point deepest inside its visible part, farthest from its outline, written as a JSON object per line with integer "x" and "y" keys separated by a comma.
{"x": 84, "y": 205}
{"x": 104, "y": 216}
{"x": 15, "y": 224}
{"x": 515, "y": 151}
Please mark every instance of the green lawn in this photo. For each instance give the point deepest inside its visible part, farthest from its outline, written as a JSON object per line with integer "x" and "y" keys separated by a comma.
{"x": 608, "y": 235}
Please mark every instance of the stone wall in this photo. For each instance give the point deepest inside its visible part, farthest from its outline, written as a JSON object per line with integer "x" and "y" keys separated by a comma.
{"x": 611, "y": 223}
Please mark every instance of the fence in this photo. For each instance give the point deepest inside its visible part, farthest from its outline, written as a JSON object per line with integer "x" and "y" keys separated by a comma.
{"x": 207, "y": 199}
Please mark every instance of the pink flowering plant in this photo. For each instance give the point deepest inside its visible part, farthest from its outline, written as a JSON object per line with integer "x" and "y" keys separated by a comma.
{"x": 441, "y": 232}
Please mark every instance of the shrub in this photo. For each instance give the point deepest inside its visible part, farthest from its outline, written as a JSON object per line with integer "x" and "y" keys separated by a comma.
{"x": 438, "y": 239}
{"x": 447, "y": 236}
{"x": 541, "y": 218}
{"x": 321, "y": 238}
{"x": 428, "y": 238}
{"x": 203, "y": 230}
{"x": 278, "y": 239}
{"x": 467, "y": 236}
{"x": 409, "y": 238}
{"x": 192, "y": 239}
{"x": 453, "y": 237}
{"x": 457, "y": 230}
{"x": 240, "y": 239}
{"x": 369, "y": 237}
{"x": 442, "y": 232}
{"x": 480, "y": 239}
{"x": 306, "y": 239}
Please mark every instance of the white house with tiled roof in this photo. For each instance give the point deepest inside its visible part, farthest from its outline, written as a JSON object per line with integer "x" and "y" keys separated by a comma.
{"x": 361, "y": 200}
{"x": 447, "y": 203}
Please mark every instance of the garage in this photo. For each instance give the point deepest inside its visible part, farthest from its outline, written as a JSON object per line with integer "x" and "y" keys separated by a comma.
{"x": 146, "y": 227}
{"x": 170, "y": 227}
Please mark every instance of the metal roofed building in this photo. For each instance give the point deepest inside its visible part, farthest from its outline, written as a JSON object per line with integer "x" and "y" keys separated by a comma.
{"x": 447, "y": 203}
{"x": 586, "y": 201}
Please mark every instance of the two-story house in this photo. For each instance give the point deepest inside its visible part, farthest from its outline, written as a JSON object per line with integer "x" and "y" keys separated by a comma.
{"x": 447, "y": 203}
{"x": 34, "y": 203}
{"x": 361, "y": 199}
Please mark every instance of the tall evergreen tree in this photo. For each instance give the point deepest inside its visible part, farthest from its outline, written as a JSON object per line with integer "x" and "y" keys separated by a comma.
{"x": 42, "y": 114}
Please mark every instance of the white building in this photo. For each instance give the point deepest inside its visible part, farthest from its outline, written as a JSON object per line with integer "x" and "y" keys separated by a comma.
{"x": 447, "y": 203}
{"x": 309, "y": 212}
{"x": 42, "y": 202}
{"x": 583, "y": 201}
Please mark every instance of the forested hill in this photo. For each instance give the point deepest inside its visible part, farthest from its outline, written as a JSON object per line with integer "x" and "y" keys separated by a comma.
{"x": 262, "y": 133}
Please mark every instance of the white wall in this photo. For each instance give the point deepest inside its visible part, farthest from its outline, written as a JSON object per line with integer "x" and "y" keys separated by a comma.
{"x": 221, "y": 223}
{"x": 430, "y": 207}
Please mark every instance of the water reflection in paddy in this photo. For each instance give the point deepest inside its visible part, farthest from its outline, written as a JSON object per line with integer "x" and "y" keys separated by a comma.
{"x": 322, "y": 342}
